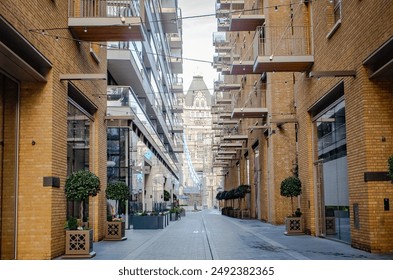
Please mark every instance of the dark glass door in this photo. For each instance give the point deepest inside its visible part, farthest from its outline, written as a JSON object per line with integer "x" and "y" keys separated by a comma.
{"x": 9, "y": 91}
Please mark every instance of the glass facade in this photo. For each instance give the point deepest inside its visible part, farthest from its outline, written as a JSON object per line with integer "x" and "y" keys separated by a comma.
{"x": 118, "y": 169}
{"x": 130, "y": 156}
{"x": 78, "y": 141}
{"x": 332, "y": 157}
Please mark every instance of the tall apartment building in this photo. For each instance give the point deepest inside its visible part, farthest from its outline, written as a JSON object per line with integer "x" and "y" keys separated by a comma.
{"x": 200, "y": 180}
{"x": 145, "y": 102}
{"x": 309, "y": 84}
{"x": 54, "y": 82}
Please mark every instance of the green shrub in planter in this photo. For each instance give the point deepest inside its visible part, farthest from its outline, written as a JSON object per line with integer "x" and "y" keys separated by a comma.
{"x": 118, "y": 191}
{"x": 291, "y": 187}
{"x": 80, "y": 185}
{"x": 72, "y": 223}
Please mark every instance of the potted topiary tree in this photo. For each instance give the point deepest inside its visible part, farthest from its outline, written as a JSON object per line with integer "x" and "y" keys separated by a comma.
{"x": 79, "y": 238}
{"x": 292, "y": 187}
{"x": 115, "y": 226}
{"x": 242, "y": 191}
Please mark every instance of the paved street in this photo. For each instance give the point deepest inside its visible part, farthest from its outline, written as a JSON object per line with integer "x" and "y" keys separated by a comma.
{"x": 207, "y": 235}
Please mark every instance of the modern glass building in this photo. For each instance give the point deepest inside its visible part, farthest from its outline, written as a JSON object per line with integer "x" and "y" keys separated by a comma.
{"x": 145, "y": 101}
{"x": 58, "y": 67}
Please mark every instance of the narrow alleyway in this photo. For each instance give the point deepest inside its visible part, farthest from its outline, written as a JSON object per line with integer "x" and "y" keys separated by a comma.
{"x": 207, "y": 235}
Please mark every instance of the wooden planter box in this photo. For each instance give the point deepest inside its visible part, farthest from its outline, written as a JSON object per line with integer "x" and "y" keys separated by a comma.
{"x": 79, "y": 244}
{"x": 245, "y": 214}
{"x": 115, "y": 230}
{"x": 294, "y": 225}
{"x": 149, "y": 222}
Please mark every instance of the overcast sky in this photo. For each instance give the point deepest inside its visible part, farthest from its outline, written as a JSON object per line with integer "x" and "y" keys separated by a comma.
{"x": 198, "y": 40}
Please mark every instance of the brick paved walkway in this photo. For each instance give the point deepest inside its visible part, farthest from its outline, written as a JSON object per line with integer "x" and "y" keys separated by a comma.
{"x": 207, "y": 235}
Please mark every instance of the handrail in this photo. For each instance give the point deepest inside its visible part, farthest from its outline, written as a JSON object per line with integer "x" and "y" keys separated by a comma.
{"x": 282, "y": 40}
{"x": 103, "y": 8}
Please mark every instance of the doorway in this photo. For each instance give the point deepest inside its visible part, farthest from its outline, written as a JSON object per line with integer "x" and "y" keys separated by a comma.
{"x": 9, "y": 96}
{"x": 332, "y": 173}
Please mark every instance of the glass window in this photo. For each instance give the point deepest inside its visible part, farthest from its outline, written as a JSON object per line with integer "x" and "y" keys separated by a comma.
{"x": 337, "y": 10}
{"x": 78, "y": 141}
{"x": 117, "y": 154}
{"x": 332, "y": 133}
{"x": 332, "y": 172}
{"x": 9, "y": 102}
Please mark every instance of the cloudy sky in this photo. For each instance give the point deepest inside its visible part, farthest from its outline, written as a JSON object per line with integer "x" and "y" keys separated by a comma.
{"x": 198, "y": 40}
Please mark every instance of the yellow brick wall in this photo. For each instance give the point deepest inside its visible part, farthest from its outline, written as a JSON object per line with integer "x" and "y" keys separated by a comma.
{"x": 277, "y": 154}
{"x": 43, "y": 119}
{"x": 365, "y": 26}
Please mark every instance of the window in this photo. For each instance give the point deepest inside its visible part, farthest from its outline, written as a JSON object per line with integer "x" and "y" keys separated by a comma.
{"x": 117, "y": 151}
{"x": 337, "y": 10}
{"x": 334, "y": 17}
{"x": 78, "y": 139}
{"x": 78, "y": 142}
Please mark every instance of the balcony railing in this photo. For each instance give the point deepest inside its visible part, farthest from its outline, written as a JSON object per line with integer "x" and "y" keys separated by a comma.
{"x": 234, "y": 16}
{"x": 282, "y": 48}
{"x": 103, "y": 8}
{"x": 142, "y": 119}
{"x": 118, "y": 95}
{"x": 282, "y": 40}
{"x": 105, "y": 20}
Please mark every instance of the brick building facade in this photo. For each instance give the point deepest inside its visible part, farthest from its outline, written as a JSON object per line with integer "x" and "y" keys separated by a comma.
{"x": 320, "y": 74}
{"x": 37, "y": 101}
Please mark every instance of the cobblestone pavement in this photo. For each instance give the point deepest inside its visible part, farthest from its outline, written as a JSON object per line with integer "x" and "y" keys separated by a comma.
{"x": 207, "y": 235}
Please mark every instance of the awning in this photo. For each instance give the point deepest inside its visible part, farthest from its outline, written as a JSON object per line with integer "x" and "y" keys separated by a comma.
{"x": 19, "y": 58}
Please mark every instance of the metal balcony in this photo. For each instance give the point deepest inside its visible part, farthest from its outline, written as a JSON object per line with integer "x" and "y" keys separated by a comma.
{"x": 220, "y": 38}
{"x": 169, "y": 17}
{"x": 235, "y": 137}
{"x": 227, "y": 122}
{"x": 175, "y": 41}
{"x": 176, "y": 65}
{"x": 179, "y": 149}
{"x": 177, "y": 129}
{"x": 225, "y": 71}
{"x": 246, "y": 22}
{"x": 239, "y": 67}
{"x": 233, "y": 152}
{"x": 282, "y": 49}
{"x": 177, "y": 85}
{"x": 225, "y": 116}
{"x": 231, "y": 4}
{"x": 249, "y": 113}
{"x": 232, "y": 145}
{"x": 227, "y": 87}
{"x": 232, "y": 16}
{"x": 177, "y": 109}
{"x": 105, "y": 20}
{"x": 223, "y": 101}
{"x": 123, "y": 66}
